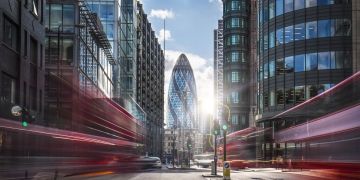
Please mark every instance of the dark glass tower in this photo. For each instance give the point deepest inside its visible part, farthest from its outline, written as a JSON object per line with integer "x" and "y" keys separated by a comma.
{"x": 305, "y": 48}
{"x": 236, "y": 62}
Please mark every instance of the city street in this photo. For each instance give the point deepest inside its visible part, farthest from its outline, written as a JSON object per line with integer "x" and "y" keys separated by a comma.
{"x": 197, "y": 174}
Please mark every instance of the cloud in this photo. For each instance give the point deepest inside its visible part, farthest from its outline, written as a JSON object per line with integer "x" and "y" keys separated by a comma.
{"x": 161, "y": 13}
{"x": 161, "y": 35}
{"x": 203, "y": 72}
{"x": 219, "y": 2}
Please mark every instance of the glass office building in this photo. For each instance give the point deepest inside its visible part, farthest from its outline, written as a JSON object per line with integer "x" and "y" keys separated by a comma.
{"x": 305, "y": 47}
{"x": 182, "y": 96}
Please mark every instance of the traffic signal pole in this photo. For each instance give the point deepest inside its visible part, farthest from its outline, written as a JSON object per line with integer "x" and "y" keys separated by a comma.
{"x": 215, "y": 156}
{"x": 224, "y": 145}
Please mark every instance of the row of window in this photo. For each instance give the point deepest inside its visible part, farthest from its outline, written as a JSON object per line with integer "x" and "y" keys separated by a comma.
{"x": 236, "y": 39}
{"x": 290, "y": 96}
{"x": 235, "y": 56}
{"x": 236, "y": 22}
{"x": 308, "y": 30}
{"x": 236, "y": 77}
{"x": 306, "y": 62}
{"x": 235, "y": 97}
{"x": 279, "y": 7}
{"x": 235, "y": 5}
{"x": 60, "y": 17}
{"x": 237, "y": 119}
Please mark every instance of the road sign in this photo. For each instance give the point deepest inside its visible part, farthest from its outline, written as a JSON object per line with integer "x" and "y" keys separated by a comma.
{"x": 226, "y": 170}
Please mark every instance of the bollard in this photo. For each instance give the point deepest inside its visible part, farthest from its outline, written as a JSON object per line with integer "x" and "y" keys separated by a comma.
{"x": 226, "y": 170}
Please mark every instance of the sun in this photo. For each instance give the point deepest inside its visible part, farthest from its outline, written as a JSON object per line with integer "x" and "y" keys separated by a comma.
{"x": 207, "y": 106}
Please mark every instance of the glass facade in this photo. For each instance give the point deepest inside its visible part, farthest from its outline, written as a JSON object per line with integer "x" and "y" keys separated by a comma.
{"x": 182, "y": 96}
{"x": 300, "y": 57}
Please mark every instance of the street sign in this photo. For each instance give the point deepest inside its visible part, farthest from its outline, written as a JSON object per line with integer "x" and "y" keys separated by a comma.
{"x": 226, "y": 170}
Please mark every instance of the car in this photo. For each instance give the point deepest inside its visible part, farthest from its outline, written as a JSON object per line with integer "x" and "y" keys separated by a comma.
{"x": 157, "y": 163}
{"x": 203, "y": 160}
{"x": 148, "y": 162}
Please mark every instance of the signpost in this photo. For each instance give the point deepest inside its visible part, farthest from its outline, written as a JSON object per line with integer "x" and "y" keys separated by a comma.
{"x": 226, "y": 170}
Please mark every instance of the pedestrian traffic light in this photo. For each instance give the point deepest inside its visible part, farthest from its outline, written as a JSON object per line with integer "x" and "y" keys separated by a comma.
{"x": 224, "y": 127}
{"x": 189, "y": 145}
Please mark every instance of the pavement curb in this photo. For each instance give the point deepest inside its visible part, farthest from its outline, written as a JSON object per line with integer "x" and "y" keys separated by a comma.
{"x": 211, "y": 176}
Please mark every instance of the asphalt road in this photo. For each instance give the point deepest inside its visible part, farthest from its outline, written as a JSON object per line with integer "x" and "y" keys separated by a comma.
{"x": 195, "y": 174}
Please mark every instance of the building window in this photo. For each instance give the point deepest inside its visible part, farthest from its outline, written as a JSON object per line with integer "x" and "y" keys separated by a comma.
{"x": 337, "y": 59}
{"x": 60, "y": 15}
{"x": 324, "y": 28}
{"x": 300, "y": 63}
{"x": 299, "y": 4}
{"x": 279, "y": 36}
{"x": 8, "y": 90}
{"x": 289, "y": 96}
{"x": 311, "y": 91}
{"x": 341, "y": 27}
{"x": 10, "y": 35}
{"x": 266, "y": 99}
{"x": 280, "y": 97}
{"x": 289, "y": 64}
{"x": 266, "y": 70}
{"x": 266, "y": 42}
{"x": 299, "y": 94}
{"x": 235, "y": 97}
{"x": 280, "y": 66}
{"x": 289, "y": 34}
{"x": 299, "y": 32}
{"x": 233, "y": 40}
{"x": 289, "y": 5}
{"x": 272, "y": 98}
{"x": 234, "y": 76}
{"x": 279, "y": 7}
{"x": 311, "y": 29}
{"x": 310, "y": 3}
{"x": 234, "y": 119}
{"x": 311, "y": 61}
{"x": 324, "y": 60}
{"x": 324, "y": 87}
{"x": 271, "y": 68}
{"x": 271, "y": 10}
{"x": 234, "y": 56}
{"x": 271, "y": 40}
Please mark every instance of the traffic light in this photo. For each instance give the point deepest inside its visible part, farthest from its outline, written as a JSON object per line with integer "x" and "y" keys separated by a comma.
{"x": 216, "y": 129}
{"x": 26, "y": 118}
{"x": 189, "y": 145}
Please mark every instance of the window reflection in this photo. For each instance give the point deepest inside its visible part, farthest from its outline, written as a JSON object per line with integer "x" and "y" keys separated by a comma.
{"x": 311, "y": 3}
{"x": 271, "y": 39}
{"x": 289, "y": 34}
{"x": 289, "y": 64}
{"x": 300, "y": 63}
{"x": 299, "y": 32}
{"x": 279, "y": 7}
{"x": 266, "y": 71}
{"x": 272, "y": 98}
{"x": 299, "y": 94}
{"x": 324, "y": 28}
{"x": 280, "y": 96}
{"x": 280, "y": 66}
{"x": 311, "y": 29}
{"x": 311, "y": 91}
{"x": 289, "y": 96}
{"x": 271, "y": 10}
{"x": 280, "y": 36}
{"x": 272, "y": 68}
{"x": 289, "y": 5}
{"x": 299, "y": 4}
{"x": 324, "y": 60}
{"x": 311, "y": 61}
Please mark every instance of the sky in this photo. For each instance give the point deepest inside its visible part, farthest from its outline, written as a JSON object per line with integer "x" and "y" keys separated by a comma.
{"x": 189, "y": 28}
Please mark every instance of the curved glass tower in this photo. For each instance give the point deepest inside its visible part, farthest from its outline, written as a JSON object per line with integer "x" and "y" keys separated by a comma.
{"x": 182, "y": 96}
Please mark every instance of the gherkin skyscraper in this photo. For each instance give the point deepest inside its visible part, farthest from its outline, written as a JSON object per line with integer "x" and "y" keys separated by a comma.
{"x": 182, "y": 96}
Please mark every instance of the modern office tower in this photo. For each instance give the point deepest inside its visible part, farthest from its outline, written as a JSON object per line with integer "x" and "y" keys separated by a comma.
{"x": 305, "y": 48}
{"x": 78, "y": 61}
{"x": 119, "y": 23}
{"x": 22, "y": 57}
{"x": 182, "y": 107}
{"x": 236, "y": 62}
{"x": 218, "y": 70}
{"x": 150, "y": 82}
{"x": 182, "y": 96}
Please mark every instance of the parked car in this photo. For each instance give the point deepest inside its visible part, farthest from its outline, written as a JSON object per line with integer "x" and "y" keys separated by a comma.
{"x": 203, "y": 160}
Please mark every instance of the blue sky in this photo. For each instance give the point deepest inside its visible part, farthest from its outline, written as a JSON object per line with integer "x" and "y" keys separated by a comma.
{"x": 190, "y": 26}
